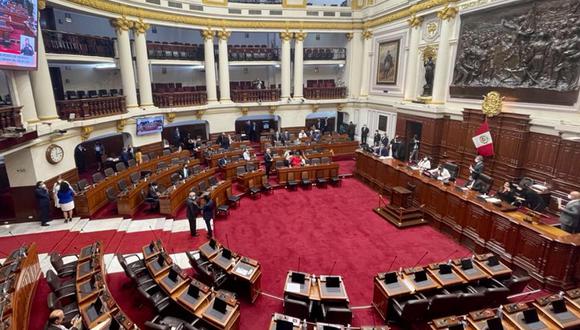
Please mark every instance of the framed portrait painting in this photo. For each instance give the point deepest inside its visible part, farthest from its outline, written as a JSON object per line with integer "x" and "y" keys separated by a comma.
{"x": 388, "y": 62}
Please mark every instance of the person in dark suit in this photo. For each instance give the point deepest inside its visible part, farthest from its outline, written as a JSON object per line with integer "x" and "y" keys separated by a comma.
{"x": 364, "y": 133}
{"x": 286, "y": 136}
{"x": 192, "y": 212}
{"x": 570, "y": 214}
{"x": 125, "y": 156}
{"x": 43, "y": 201}
{"x": 385, "y": 140}
{"x": 475, "y": 170}
{"x": 277, "y": 137}
{"x": 254, "y": 132}
{"x": 27, "y": 49}
{"x": 414, "y": 147}
{"x": 351, "y": 130}
{"x": 80, "y": 158}
{"x": 208, "y": 214}
{"x": 176, "y": 137}
{"x": 99, "y": 153}
{"x": 383, "y": 151}
{"x": 184, "y": 172}
{"x": 377, "y": 138}
{"x": 153, "y": 193}
{"x": 268, "y": 161}
{"x": 248, "y": 129}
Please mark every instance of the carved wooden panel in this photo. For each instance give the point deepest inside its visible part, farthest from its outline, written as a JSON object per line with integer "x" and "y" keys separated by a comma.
{"x": 530, "y": 249}
{"x": 567, "y": 164}
{"x": 542, "y": 154}
{"x": 561, "y": 265}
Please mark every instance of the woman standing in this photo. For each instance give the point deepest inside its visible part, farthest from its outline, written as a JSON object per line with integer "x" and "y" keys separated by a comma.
{"x": 66, "y": 201}
{"x": 43, "y": 201}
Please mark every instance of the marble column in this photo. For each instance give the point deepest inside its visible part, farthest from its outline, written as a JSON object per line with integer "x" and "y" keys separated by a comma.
{"x": 299, "y": 64}
{"x": 353, "y": 68}
{"x": 410, "y": 91}
{"x": 210, "y": 81}
{"x": 42, "y": 85}
{"x": 285, "y": 59}
{"x": 440, "y": 81}
{"x": 367, "y": 37}
{"x": 224, "y": 66}
{"x": 145, "y": 95}
{"x": 122, "y": 26}
{"x": 22, "y": 94}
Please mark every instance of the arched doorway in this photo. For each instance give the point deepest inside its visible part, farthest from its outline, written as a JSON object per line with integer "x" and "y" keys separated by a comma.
{"x": 263, "y": 124}
{"x": 323, "y": 120}
{"x": 183, "y": 131}
{"x": 112, "y": 145}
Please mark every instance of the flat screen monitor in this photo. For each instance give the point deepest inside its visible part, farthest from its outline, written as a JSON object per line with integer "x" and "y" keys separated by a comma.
{"x": 284, "y": 325}
{"x": 494, "y": 324}
{"x": 391, "y": 277}
{"x": 492, "y": 261}
{"x": 19, "y": 30}
{"x": 333, "y": 282}
{"x": 420, "y": 276}
{"x": 466, "y": 264}
{"x": 530, "y": 316}
{"x": 227, "y": 254}
{"x": 212, "y": 243}
{"x": 457, "y": 327}
{"x": 193, "y": 291}
{"x": 219, "y": 305}
{"x": 559, "y": 306}
{"x": 173, "y": 275}
{"x": 149, "y": 125}
{"x": 444, "y": 269}
{"x": 298, "y": 277}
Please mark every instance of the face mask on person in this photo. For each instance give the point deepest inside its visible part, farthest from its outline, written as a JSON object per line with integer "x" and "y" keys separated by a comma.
{"x": 570, "y": 197}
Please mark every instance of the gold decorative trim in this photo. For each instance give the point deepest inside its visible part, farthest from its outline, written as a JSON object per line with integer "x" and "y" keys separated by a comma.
{"x": 272, "y": 109}
{"x": 407, "y": 12}
{"x": 121, "y": 123}
{"x": 447, "y": 13}
{"x": 349, "y": 36}
{"x": 492, "y": 104}
{"x": 140, "y": 26}
{"x": 339, "y": 106}
{"x": 244, "y": 110}
{"x": 286, "y": 36}
{"x": 86, "y": 132}
{"x": 285, "y": 4}
{"x": 199, "y": 113}
{"x": 224, "y": 35}
{"x": 215, "y": 2}
{"x": 41, "y": 4}
{"x": 367, "y": 34}
{"x": 48, "y": 118}
{"x": 121, "y": 23}
{"x": 315, "y": 107}
{"x": 415, "y": 21}
{"x": 170, "y": 116}
{"x": 429, "y": 52}
{"x": 300, "y": 36}
{"x": 207, "y": 34}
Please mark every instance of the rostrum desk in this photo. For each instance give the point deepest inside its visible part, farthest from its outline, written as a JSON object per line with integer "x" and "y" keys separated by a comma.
{"x": 89, "y": 201}
{"x": 548, "y": 254}
{"x": 339, "y": 148}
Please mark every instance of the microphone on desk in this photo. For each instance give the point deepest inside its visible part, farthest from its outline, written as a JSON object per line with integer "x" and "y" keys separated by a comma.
{"x": 421, "y": 259}
{"x": 450, "y": 254}
{"x": 154, "y": 235}
{"x": 228, "y": 242}
{"x": 332, "y": 268}
{"x": 392, "y": 262}
{"x": 298, "y": 264}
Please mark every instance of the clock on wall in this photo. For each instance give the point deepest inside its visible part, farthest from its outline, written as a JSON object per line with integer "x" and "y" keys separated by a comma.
{"x": 54, "y": 154}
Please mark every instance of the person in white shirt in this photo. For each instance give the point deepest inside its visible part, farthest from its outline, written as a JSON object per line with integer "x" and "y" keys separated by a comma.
{"x": 441, "y": 173}
{"x": 55, "y": 189}
{"x": 246, "y": 155}
{"x": 302, "y": 135}
{"x": 424, "y": 164}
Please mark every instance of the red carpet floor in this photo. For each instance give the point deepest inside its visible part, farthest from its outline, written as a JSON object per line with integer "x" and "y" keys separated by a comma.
{"x": 331, "y": 230}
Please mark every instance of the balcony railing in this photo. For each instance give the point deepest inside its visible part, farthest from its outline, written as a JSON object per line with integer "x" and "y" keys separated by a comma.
{"x": 179, "y": 99}
{"x": 324, "y": 93}
{"x": 76, "y": 44}
{"x": 255, "y": 95}
{"x": 91, "y": 108}
{"x": 175, "y": 51}
{"x": 253, "y": 53}
{"x": 324, "y": 54}
{"x": 9, "y": 117}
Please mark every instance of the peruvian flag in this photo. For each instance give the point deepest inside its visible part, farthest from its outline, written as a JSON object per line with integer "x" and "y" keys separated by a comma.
{"x": 482, "y": 140}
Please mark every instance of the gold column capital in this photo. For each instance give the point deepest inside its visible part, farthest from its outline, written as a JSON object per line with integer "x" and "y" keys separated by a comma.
{"x": 415, "y": 21}
{"x": 140, "y": 26}
{"x": 447, "y": 13}
{"x": 121, "y": 23}
{"x": 41, "y": 4}
{"x": 170, "y": 116}
{"x": 300, "y": 36}
{"x": 286, "y": 35}
{"x": 244, "y": 110}
{"x": 367, "y": 34}
{"x": 121, "y": 123}
{"x": 349, "y": 36}
{"x": 224, "y": 35}
{"x": 199, "y": 114}
{"x": 315, "y": 107}
{"x": 207, "y": 34}
{"x": 86, "y": 132}
{"x": 272, "y": 109}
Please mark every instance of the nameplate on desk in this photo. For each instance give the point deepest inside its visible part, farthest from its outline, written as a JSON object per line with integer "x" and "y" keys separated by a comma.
{"x": 294, "y": 287}
{"x": 244, "y": 270}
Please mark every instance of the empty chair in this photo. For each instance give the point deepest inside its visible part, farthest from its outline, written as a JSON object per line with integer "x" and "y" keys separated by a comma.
{"x": 175, "y": 161}
{"x": 484, "y": 285}
{"x": 206, "y": 273}
{"x": 240, "y": 170}
{"x": 297, "y": 308}
{"x": 315, "y": 161}
{"x": 266, "y": 186}
{"x": 161, "y": 165}
{"x": 336, "y": 313}
{"x": 469, "y": 302}
{"x": 131, "y": 162}
{"x": 305, "y": 180}
{"x": 441, "y": 304}
{"x": 120, "y": 167}
{"x": 168, "y": 322}
{"x": 334, "y": 178}
{"x": 151, "y": 155}
{"x": 410, "y": 310}
{"x": 516, "y": 284}
{"x": 62, "y": 269}
{"x": 496, "y": 296}
{"x": 59, "y": 289}
{"x": 196, "y": 169}
{"x": 325, "y": 160}
{"x": 232, "y": 199}
{"x": 82, "y": 184}
{"x": 254, "y": 189}
{"x": 155, "y": 296}
{"x": 213, "y": 181}
{"x": 109, "y": 172}
{"x": 202, "y": 185}
{"x": 320, "y": 179}
{"x": 135, "y": 177}
{"x": 483, "y": 183}
{"x": 122, "y": 185}
{"x": 98, "y": 177}
{"x": 291, "y": 182}
{"x": 111, "y": 195}
{"x": 250, "y": 167}
{"x": 135, "y": 270}
{"x": 92, "y": 93}
{"x": 55, "y": 281}
{"x": 279, "y": 163}
{"x": 166, "y": 152}
{"x": 145, "y": 158}
{"x": 175, "y": 178}
{"x": 103, "y": 93}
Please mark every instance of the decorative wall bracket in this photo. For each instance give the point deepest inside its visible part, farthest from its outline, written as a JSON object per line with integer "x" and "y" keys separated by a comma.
{"x": 244, "y": 110}
{"x": 86, "y": 132}
{"x": 272, "y": 109}
{"x": 199, "y": 114}
{"x": 121, "y": 123}
{"x": 315, "y": 107}
{"x": 170, "y": 116}
{"x": 492, "y": 104}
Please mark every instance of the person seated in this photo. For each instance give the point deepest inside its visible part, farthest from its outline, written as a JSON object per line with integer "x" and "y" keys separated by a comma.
{"x": 302, "y": 134}
{"x": 383, "y": 151}
{"x": 570, "y": 213}
{"x": 184, "y": 172}
{"x": 56, "y": 319}
{"x": 222, "y": 162}
{"x": 153, "y": 192}
{"x": 246, "y": 155}
{"x": 295, "y": 160}
{"x": 424, "y": 164}
{"x": 440, "y": 173}
{"x": 506, "y": 193}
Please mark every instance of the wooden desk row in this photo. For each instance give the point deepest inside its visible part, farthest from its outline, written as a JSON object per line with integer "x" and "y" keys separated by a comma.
{"x": 199, "y": 301}
{"x": 89, "y": 201}
{"x": 322, "y": 170}
{"x": 19, "y": 275}
{"x": 230, "y": 169}
{"x": 550, "y": 255}
{"x": 250, "y": 179}
{"x": 549, "y": 312}
{"x": 96, "y": 304}
{"x": 339, "y": 148}
{"x": 243, "y": 269}
{"x": 172, "y": 199}
{"x": 314, "y": 288}
{"x": 294, "y": 323}
{"x": 311, "y": 155}
{"x": 212, "y": 159}
{"x": 387, "y": 287}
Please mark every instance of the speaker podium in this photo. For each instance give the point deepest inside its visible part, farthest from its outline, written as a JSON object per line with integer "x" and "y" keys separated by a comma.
{"x": 400, "y": 211}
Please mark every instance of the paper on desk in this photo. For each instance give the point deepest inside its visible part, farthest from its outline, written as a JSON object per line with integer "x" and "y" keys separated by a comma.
{"x": 493, "y": 200}
{"x": 293, "y": 287}
{"x": 539, "y": 187}
{"x": 243, "y": 272}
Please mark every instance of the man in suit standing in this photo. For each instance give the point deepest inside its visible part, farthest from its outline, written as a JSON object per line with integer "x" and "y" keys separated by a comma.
{"x": 208, "y": 214}
{"x": 268, "y": 160}
{"x": 351, "y": 130}
{"x": 192, "y": 212}
{"x": 184, "y": 172}
{"x": 570, "y": 216}
{"x": 125, "y": 156}
{"x": 364, "y": 134}
{"x": 385, "y": 140}
{"x": 286, "y": 136}
{"x": 248, "y": 129}
{"x": 377, "y": 138}
{"x": 475, "y": 171}
{"x": 43, "y": 201}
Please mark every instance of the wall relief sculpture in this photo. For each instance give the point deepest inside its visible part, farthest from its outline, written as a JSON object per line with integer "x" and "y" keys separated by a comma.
{"x": 528, "y": 51}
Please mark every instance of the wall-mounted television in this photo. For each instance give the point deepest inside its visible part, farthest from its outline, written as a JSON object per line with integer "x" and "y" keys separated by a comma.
{"x": 149, "y": 125}
{"x": 19, "y": 34}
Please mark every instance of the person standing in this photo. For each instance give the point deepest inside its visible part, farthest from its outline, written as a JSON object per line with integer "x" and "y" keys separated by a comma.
{"x": 414, "y": 149}
{"x": 192, "y": 212}
{"x": 125, "y": 156}
{"x": 364, "y": 134}
{"x": 208, "y": 214}
{"x": 43, "y": 202}
{"x": 268, "y": 160}
{"x": 55, "y": 189}
{"x": 80, "y": 158}
{"x": 351, "y": 130}
{"x": 139, "y": 157}
{"x": 66, "y": 201}
{"x": 377, "y": 138}
{"x": 475, "y": 171}
{"x": 99, "y": 153}
{"x": 570, "y": 216}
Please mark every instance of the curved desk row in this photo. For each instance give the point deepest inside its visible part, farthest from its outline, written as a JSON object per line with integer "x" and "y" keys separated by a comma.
{"x": 339, "y": 148}
{"x": 212, "y": 160}
{"x": 89, "y": 201}
{"x": 96, "y": 304}
{"x": 218, "y": 309}
{"x": 314, "y": 171}
{"x": 19, "y": 276}
{"x": 550, "y": 255}
{"x": 230, "y": 169}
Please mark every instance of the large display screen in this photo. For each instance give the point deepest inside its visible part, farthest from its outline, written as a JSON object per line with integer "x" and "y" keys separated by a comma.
{"x": 149, "y": 125}
{"x": 18, "y": 34}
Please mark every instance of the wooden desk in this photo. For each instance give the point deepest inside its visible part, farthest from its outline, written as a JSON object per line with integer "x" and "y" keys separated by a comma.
{"x": 251, "y": 179}
{"x": 298, "y": 289}
{"x": 171, "y": 201}
{"x": 325, "y": 171}
{"x": 569, "y": 319}
{"x": 422, "y": 286}
{"x": 315, "y": 289}
{"x": 446, "y": 322}
{"x": 499, "y": 270}
{"x": 229, "y": 320}
{"x": 195, "y": 305}
{"x": 573, "y": 296}
{"x": 339, "y": 147}
{"x": 331, "y": 293}
{"x": 230, "y": 169}
{"x": 452, "y": 278}
{"x": 89, "y": 201}
{"x": 297, "y": 323}
{"x": 513, "y": 314}
{"x": 473, "y": 274}
{"x": 478, "y": 319}
{"x": 212, "y": 160}
{"x": 382, "y": 292}
{"x": 483, "y": 226}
